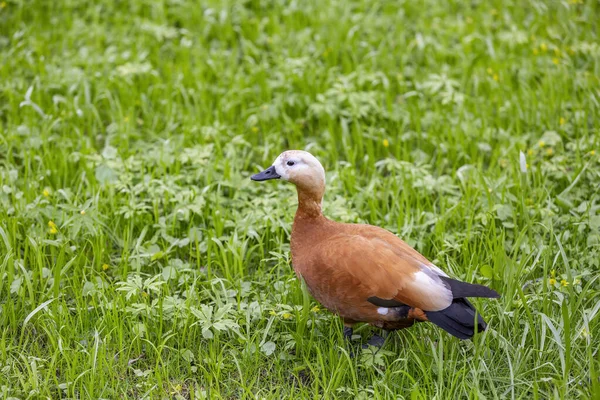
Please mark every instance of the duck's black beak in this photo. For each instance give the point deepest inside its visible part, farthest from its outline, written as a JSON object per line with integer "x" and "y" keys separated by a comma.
{"x": 267, "y": 174}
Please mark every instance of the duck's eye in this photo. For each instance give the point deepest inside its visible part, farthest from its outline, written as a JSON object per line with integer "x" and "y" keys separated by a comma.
{"x": 290, "y": 163}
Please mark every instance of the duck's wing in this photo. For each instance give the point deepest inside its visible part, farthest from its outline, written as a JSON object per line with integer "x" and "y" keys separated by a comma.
{"x": 386, "y": 274}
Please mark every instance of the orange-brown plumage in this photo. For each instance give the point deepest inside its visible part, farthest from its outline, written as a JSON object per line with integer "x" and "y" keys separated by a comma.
{"x": 343, "y": 265}
{"x": 365, "y": 273}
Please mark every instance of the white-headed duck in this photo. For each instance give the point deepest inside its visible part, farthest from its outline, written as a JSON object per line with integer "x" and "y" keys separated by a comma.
{"x": 365, "y": 273}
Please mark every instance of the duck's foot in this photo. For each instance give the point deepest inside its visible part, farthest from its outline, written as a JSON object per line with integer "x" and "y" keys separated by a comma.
{"x": 348, "y": 333}
{"x": 376, "y": 341}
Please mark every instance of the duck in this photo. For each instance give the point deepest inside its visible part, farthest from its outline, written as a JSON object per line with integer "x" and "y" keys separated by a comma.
{"x": 364, "y": 273}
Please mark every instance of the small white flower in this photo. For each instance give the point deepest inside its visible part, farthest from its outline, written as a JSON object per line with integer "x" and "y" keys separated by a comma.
{"x": 522, "y": 162}
{"x": 28, "y": 102}
{"x": 130, "y": 69}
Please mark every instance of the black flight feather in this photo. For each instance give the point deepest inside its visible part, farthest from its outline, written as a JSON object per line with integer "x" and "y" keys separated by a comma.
{"x": 458, "y": 319}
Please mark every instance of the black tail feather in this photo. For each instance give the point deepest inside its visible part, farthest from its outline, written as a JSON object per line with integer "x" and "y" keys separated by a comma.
{"x": 463, "y": 289}
{"x": 458, "y": 319}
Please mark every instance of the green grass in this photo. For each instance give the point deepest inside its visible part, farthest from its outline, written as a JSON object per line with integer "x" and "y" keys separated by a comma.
{"x": 137, "y": 259}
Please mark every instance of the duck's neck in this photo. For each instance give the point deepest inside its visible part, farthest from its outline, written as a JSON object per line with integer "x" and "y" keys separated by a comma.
{"x": 308, "y": 226}
{"x": 309, "y": 204}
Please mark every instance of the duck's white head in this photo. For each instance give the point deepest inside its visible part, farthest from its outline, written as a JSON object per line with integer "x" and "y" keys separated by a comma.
{"x": 299, "y": 167}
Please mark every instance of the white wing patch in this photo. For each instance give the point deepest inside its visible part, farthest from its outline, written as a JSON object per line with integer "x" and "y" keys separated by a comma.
{"x": 437, "y": 270}
{"x": 431, "y": 286}
{"x": 383, "y": 310}
{"x": 424, "y": 280}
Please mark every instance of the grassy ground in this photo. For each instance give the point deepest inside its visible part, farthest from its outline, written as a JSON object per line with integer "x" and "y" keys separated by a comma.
{"x": 137, "y": 260}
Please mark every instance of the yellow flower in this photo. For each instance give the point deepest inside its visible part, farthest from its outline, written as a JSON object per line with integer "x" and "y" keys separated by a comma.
{"x": 489, "y": 190}
{"x": 541, "y": 143}
{"x": 254, "y": 129}
{"x": 552, "y": 281}
{"x": 386, "y": 143}
{"x": 46, "y": 193}
{"x": 315, "y": 309}
{"x": 564, "y": 283}
{"x": 82, "y": 212}
{"x": 496, "y": 77}
{"x": 530, "y": 152}
{"x": 585, "y": 333}
{"x": 556, "y": 61}
{"x": 549, "y": 151}
{"x": 105, "y": 267}
{"x": 544, "y": 47}
{"x": 490, "y": 71}
{"x": 177, "y": 388}
{"x": 53, "y": 228}
{"x": 593, "y": 153}
{"x": 3, "y": 4}
{"x": 287, "y": 315}
{"x": 562, "y": 121}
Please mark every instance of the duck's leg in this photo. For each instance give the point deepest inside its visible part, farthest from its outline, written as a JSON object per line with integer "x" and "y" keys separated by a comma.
{"x": 378, "y": 341}
{"x": 348, "y": 331}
